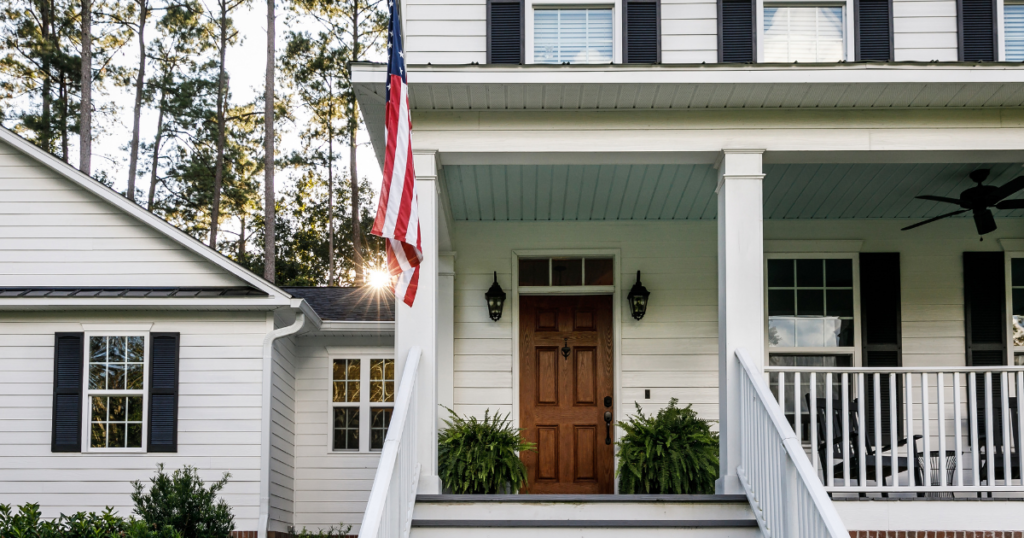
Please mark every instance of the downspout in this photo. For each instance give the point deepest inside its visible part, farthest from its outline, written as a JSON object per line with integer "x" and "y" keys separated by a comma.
{"x": 268, "y": 379}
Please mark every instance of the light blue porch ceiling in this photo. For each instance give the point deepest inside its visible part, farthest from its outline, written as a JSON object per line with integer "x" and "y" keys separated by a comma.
{"x": 682, "y": 192}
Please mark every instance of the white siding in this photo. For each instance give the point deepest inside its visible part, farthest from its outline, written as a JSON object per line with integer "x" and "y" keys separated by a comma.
{"x": 689, "y": 31}
{"x": 282, "y": 433}
{"x": 925, "y": 30}
{"x": 445, "y": 31}
{"x": 54, "y": 233}
{"x": 331, "y": 488}
{"x": 218, "y": 421}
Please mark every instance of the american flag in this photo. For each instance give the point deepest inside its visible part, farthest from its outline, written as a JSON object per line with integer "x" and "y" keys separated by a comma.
{"x": 397, "y": 214}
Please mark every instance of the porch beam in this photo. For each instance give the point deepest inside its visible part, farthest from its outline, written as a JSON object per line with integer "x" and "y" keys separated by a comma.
{"x": 740, "y": 294}
{"x": 417, "y": 325}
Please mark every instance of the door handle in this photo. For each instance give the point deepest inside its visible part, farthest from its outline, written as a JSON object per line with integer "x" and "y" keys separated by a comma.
{"x": 608, "y": 427}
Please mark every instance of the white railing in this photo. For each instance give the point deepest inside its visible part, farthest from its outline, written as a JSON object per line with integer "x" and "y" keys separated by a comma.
{"x": 782, "y": 487}
{"x": 389, "y": 509}
{"x": 956, "y": 429}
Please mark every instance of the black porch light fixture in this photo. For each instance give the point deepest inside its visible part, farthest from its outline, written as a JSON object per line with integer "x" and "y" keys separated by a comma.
{"x": 495, "y": 299}
{"x": 638, "y": 299}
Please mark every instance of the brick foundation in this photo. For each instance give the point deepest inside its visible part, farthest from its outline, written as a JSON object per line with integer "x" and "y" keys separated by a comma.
{"x": 936, "y": 534}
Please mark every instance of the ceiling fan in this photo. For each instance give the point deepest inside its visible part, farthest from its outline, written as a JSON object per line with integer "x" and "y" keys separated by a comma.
{"x": 979, "y": 199}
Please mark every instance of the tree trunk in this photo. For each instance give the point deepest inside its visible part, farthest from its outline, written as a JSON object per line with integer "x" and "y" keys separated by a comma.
{"x": 46, "y": 137}
{"x": 357, "y": 241}
{"x": 156, "y": 153}
{"x": 63, "y": 93}
{"x": 330, "y": 207}
{"x": 140, "y": 82}
{"x": 241, "y": 242}
{"x": 218, "y": 174}
{"x": 269, "y": 234}
{"x": 85, "y": 119}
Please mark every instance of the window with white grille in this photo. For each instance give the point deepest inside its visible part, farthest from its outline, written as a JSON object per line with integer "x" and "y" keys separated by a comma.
{"x": 1013, "y": 23}
{"x": 804, "y": 34}
{"x": 572, "y": 35}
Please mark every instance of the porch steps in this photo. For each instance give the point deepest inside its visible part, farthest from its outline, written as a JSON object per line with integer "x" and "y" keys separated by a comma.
{"x": 597, "y": 516}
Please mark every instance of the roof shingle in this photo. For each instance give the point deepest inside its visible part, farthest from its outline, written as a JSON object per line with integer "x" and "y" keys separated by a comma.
{"x": 348, "y": 304}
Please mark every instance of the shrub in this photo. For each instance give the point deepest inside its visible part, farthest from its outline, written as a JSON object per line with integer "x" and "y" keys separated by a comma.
{"x": 341, "y": 531}
{"x": 671, "y": 452}
{"x": 27, "y": 523}
{"x": 181, "y": 500}
{"x": 481, "y": 456}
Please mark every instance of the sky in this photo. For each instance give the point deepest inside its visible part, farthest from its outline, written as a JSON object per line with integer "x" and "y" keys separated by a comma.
{"x": 246, "y": 63}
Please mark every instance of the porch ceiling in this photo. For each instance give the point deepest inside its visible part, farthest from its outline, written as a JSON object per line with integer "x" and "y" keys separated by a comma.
{"x": 682, "y": 192}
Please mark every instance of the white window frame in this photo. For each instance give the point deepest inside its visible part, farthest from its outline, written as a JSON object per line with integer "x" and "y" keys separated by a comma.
{"x": 614, "y": 5}
{"x": 855, "y": 350}
{"x": 364, "y": 356}
{"x": 849, "y": 44}
{"x": 1001, "y": 25}
{"x": 89, "y": 393}
{"x": 1011, "y": 349}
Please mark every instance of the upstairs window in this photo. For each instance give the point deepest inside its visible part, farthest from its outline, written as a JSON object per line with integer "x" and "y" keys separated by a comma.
{"x": 1013, "y": 21}
{"x": 804, "y": 34}
{"x": 572, "y": 35}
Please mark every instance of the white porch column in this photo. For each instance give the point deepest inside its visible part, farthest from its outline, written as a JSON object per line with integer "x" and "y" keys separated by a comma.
{"x": 417, "y": 326}
{"x": 740, "y": 294}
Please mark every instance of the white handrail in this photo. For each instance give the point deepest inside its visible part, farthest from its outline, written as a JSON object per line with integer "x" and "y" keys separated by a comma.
{"x": 389, "y": 509}
{"x": 782, "y": 487}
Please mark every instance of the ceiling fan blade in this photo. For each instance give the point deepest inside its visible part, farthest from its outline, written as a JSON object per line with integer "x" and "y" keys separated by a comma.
{"x": 939, "y": 199}
{"x": 1011, "y": 204}
{"x": 984, "y": 222}
{"x": 1009, "y": 188}
{"x": 933, "y": 219}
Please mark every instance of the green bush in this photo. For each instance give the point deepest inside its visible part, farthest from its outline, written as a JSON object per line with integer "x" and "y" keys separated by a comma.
{"x": 181, "y": 500}
{"x": 340, "y": 531}
{"x": 477, "y": 456}
{"x": 671, "y": 452}
{"x": 27, "y": 523}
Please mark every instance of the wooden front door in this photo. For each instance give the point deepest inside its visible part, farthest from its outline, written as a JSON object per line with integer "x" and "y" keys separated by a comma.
{"x": 563, "y": 400}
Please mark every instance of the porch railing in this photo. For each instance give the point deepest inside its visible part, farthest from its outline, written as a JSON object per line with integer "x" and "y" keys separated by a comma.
{"x": 389, "y": 509}
{"x": 782, "y": 487}
{"x": 931, "y": 431}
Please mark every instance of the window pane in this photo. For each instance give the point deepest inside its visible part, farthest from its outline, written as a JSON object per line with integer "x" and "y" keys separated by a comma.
{"x": 379, "y": 426}
{"x": 116, "y": 432}
{"x": 98, "y": 349}
{"x": 567, "y": 271}
{"x": 117, "y": 349}
{"x": 382, "y": 380}
{"x": 117, "y": 406}
{"x": 781, "y": 303}
{"x": 135, "y": 408}
{"x": 804, "y": 34}
{"x": 136, "y": 348}
{"x": 839, "y": 303}
{"x": 134, "y": 435}
{"x": 346, "y": 380}
{"x": 97, "y": 376}
{"x": 115, "y": 377}
{"x": 781, "y": 332}
{"x": 780, "y": 273}
{"x": 572, "y": 35}
{"x": 346, "y": 428}
{"x": 810, "y": 303}
{"x": 533, "y": 272}
{"x": 98, "y": 439}
{"x": 810, "y": 273}
{"x": 1014, "y": 22}
{"x": 599, "y": 272}
{"x": 135, "y": 377}
{"x": 99, "y": 409}
{"x": 810, "y": 332}
{"x": 839, "y": 273}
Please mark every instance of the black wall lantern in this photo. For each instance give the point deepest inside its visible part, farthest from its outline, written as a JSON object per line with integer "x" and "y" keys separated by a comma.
{"x": 496, "y": 299}
{"x": 638, "y": 299}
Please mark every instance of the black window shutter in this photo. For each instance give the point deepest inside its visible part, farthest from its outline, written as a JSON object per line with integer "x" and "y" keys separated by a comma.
{"x": 643, "y": 32}
{"x": 504, "y": 32}
{"x": 977, "y": 30}
{"x": 736, "y": 31}
{"x": 985, "y": 317}
{"x": 163, "y": 392}
{"x": 68, "y": 363}
{"x": 881, "y": 336}
{"x": 874, "y": 30}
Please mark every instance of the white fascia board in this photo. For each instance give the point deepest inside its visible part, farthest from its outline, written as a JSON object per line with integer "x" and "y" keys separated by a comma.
{"x": 108, "y": 195}
{"x": 358, "y": 327}
{"x": 163, "y": 303}
{"x": 911, "y": 73}
{"x": 311, "y": 315}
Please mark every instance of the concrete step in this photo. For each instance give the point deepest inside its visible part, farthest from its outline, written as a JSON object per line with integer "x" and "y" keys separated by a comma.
{"x": 596, "y": 516}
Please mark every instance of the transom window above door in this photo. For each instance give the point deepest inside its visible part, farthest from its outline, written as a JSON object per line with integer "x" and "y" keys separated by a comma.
{"x": 804, "y": 34}
{"x": 566, "y": 271}
{"x": 810, "y": 303}
{"x": 577, "y": 35}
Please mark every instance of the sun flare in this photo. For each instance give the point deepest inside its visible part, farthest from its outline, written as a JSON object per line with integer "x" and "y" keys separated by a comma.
{"x": 378, "y": 278}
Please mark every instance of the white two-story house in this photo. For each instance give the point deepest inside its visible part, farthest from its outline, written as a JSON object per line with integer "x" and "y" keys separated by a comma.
{"x": 752, "y": 164}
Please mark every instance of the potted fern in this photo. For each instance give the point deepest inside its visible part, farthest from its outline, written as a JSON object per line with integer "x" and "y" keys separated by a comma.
{"x": 481, "y": 456}
{"x": 673, "y": 451}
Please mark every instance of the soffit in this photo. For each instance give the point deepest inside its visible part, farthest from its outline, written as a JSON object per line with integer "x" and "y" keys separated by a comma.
{"x": 687, "y": 192}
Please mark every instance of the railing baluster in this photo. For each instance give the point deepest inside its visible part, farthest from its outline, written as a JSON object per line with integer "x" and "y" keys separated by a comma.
{"x": 893, "y": 430}
{"x": 926, "y": 468}
{"x": 797, "y": 408}
{"x": 830, "y": 440}
{"x": 845, "y": 407}
{"x": 972, "y": 411}
{"x": 958, "y": 442}
{"x": 989, "y": 457}
{"x": 909, "y": 401}
{"x": 940, "y": 403}
{"x": 1005, "y": 407}
{"x": 862, "y": 477}
{"x": 1020, "y": 424}
{"x": 877, "y": 384}
{"x": 812, "y": 413}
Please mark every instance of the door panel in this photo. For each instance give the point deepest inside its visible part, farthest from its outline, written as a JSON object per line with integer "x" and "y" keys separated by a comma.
{"x": 562, "y": 399}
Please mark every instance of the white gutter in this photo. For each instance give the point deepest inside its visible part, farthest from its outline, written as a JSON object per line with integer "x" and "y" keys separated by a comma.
{"x": 268, "y": 380}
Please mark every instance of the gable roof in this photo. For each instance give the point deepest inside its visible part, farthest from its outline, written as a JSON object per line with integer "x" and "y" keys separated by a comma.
{"x": 133, "y": 210}
{"x": 348, "y": 304}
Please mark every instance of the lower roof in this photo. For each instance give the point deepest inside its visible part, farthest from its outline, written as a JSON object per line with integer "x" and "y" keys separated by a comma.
{"x": 333, "y": 303}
